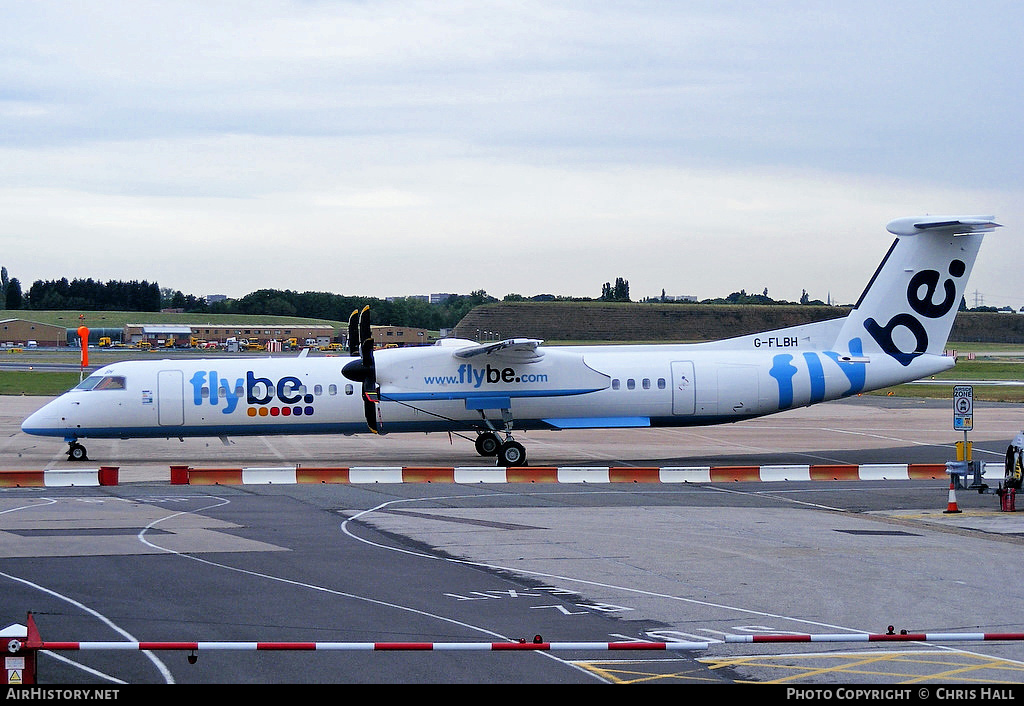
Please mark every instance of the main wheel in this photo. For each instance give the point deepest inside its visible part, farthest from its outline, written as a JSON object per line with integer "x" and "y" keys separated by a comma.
{"x": 487, "y": 443}
{"x": 512, "y": 453}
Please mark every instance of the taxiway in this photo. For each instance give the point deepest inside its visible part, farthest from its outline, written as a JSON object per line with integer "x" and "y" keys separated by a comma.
{"x": 145, "y": 560}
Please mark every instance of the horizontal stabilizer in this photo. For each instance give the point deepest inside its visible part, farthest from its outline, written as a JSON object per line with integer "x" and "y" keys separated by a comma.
{"x": 957, "y": 225}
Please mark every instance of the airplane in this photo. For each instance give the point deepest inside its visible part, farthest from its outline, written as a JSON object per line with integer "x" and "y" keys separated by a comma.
{"x": 895, "y": 333}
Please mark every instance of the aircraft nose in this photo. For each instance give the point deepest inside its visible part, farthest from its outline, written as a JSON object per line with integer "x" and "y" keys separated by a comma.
{"x": 42, "y": 422}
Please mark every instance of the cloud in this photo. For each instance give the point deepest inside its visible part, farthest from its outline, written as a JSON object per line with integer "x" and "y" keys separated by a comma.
{"x": 387, "y": 148}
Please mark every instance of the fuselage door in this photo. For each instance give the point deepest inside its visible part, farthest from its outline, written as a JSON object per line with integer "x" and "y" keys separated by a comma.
{"x": 170, "y": 398}
{"x": 683, "y": 394}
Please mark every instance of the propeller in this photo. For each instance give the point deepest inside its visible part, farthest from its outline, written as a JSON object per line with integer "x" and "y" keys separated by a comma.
{"x": 353, "y": 333}
{"x": 363, "y": 370}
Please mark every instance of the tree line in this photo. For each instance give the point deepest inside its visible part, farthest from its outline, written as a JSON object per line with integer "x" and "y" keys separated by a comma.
{"x": 115, "y": 295}
{"x": 398, "y": 311}
{"x": 86, "y": 294}
{"x": 141, "y": 296}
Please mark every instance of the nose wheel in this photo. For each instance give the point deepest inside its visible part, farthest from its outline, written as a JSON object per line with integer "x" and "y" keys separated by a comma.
{"x": 76, "y": 452}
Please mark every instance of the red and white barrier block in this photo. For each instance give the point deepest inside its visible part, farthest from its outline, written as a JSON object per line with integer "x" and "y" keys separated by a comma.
{"x": 378, "y": 646}
{"x": 186, "y": 475}
{"x": 60, "y": 478}
{"x": 882, "y": 637}
{"x": 23, "y": 644}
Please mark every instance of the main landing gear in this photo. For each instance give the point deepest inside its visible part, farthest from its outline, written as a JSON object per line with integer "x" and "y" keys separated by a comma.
{"x": 76, "y": 452}
{"x": 508, "y": 452}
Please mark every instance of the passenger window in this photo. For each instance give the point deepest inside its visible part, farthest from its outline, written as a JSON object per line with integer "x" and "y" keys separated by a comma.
{"x": 615, "y": 384}
{"x": 261, "y": 389}
{"x": 661, "y": 383}
{"x": 318, "y": 390}
{"x": 348, "y": 389}
{"x": 631, "y": 384}
{"x": 647, "y": 383}
{"x": 332, "y": 390}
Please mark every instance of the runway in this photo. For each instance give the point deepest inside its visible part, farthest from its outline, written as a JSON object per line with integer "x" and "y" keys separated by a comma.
{"x": 447, "y": 562}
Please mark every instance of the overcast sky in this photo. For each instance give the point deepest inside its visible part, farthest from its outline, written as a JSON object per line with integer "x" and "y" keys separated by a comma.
{"x": 403, "y": 148}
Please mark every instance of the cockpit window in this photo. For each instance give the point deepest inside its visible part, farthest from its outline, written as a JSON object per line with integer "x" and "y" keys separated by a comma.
{"x": 102, "y": 382}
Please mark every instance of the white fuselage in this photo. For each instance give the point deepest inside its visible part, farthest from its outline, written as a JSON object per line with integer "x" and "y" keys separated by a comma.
{"x": 427, "y": 389}
{"x": 895, "y": 333}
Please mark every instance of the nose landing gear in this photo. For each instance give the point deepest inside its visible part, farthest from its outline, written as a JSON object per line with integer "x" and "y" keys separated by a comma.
{"x": 76, "y": 452}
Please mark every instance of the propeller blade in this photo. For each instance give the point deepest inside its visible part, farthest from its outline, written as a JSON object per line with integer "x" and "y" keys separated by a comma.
{"x": 371, "y": 393}
{"x": 370, "y": 410}
{"x": 365, "y": 336}
{"x": 353, "y": 333}
{"x": 364, "y": 369}
{"x": 366, "y": 354}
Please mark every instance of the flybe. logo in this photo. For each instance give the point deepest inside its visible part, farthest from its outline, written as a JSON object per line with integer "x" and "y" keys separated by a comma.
{"x": 265, "y": 397}
{"x": 921, "y": 298}
{"x": 468, "y": 375}
{"x": 785, "y": 372}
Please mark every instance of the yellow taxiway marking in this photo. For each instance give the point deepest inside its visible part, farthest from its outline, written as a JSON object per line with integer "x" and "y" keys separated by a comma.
{"x": 895, "y": 667}
{"x": 647, "y": 671}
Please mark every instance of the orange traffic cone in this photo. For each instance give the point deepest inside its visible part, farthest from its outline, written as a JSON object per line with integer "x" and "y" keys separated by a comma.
{"x": 951, "y": 506}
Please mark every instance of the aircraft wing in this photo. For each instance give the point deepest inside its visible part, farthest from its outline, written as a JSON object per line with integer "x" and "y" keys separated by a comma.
{"x": 516, "y": 350}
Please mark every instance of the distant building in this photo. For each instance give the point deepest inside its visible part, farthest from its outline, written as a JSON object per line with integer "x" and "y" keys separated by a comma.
{"x": 18, "y": 332}
{"x": 432, "y": 299}
{"x": 399, "y": 336}
{"x": 415, "y": 297}
{"x": 168, "y": 335}
{"x": 181, "y": 334}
